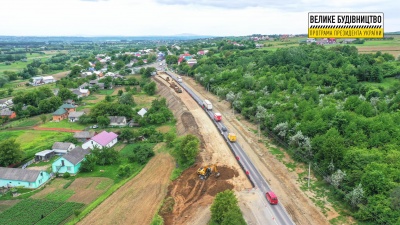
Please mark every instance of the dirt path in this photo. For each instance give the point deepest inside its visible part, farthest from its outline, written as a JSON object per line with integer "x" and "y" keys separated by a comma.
{"x": 57, "y": 129}
{"x": 283, "y": 182}
{"x": 191, "y": 196}
{"x": 137, "y": 201}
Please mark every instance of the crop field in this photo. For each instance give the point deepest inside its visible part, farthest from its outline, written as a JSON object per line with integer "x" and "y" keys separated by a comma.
{"x": 30, "y": 211}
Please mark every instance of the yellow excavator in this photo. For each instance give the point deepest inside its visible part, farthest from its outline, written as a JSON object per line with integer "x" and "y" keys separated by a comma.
{"x": 206, "y": 171}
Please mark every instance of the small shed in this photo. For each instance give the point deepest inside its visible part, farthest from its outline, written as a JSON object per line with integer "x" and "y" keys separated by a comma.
{"x": 142, "y": 112}
{"x": 44, "y": 155}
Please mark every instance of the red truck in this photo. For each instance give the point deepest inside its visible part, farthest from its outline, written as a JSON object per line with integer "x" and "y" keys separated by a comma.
{"x": 217, "y": 117}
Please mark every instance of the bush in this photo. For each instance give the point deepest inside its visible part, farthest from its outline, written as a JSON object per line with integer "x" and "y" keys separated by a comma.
{"x": 66, "y": 175}
{"x": 124, "y": 170}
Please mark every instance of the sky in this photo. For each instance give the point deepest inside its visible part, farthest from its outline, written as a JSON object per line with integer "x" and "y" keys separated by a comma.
{"x": 172, "y": 17}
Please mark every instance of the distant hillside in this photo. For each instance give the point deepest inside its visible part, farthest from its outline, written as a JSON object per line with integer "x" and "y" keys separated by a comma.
{"x": 99, "y": 39}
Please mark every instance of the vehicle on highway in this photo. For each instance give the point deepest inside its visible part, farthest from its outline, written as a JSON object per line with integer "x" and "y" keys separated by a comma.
{"x": 223, "y": 129}
{"x": 218, "y": 117}
{"x": 95, "y": 126}
{"x": 271, "y": 197}
{"x": 180, "y": 79}
{"x": 232, "y": 137}
{"x": 207, "y": 104}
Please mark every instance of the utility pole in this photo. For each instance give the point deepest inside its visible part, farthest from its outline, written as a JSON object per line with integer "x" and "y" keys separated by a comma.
{"x": 309, "y": 170}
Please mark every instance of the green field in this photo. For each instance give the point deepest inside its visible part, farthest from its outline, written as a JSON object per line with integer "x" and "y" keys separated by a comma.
{"x": 25, "y": 122}
{"x": 19, "y": 65}
{"x": 64, "y": 124}
{"x": 33, "y": 141}
{"x": 106, "y": 92}
{"x": 31, "y": 211}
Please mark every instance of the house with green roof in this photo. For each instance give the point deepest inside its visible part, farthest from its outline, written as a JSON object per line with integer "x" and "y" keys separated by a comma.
{"x": 63, "y": 112}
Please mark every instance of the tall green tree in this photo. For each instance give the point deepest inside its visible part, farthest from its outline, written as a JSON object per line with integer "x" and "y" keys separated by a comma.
{"x": 10, "y": 152}
{"x": 150, "y": 88}
{"x": 225, "y": 209}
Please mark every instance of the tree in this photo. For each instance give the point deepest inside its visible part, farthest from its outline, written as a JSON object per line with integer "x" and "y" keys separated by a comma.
{"x": 126, "y": 99}
{"x": 106, "y": 156}
{"x": 3, "y": 80}
{"x": 141, "y": 154}
{"x": 171, "y": 59}
{"x": 43, "y": 118}
{"x": 88, "y": 164}
{"x": 126, "y": 135}
{"x": 119, "y": 65}
{"x": 187, "y": 149}
{"x": 103, "y": 121}
{"x": 124, "y": 170}
{"x": 395, "y": 198}
{"x": 120, "y": 92}
{"x": 10, "y": 152}
{"x": 170, "y": 138}
{"x": 108, "y": 98}
{"x": 65, "y": 93}
{"x": 150, "y": 88}
{"x": 355, "y": 196}
{"x": 225, "y": 205}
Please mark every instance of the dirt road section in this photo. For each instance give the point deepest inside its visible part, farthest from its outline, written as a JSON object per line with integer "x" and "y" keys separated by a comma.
{"x": 137, "y": 201}
{"x": 284, "y": 183}
{"x": 191, "y": 196}
{"x": 57, "y": 129}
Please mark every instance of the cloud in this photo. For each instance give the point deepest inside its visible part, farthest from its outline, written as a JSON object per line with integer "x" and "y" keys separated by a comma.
{"x": 94, "y": 0}
{"x": 283, "y": 5}
{"x": 233, "y": 4}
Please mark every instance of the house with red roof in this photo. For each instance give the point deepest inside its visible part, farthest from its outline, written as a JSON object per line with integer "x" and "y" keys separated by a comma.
{"x": 101, "y": 140}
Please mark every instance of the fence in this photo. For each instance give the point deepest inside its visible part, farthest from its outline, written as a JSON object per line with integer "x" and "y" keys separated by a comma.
{"x": 28, "y": 163}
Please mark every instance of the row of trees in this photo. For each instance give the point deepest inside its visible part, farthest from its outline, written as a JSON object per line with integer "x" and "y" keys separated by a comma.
{"x": 35, "y": 102}
{"x": 316, "y": 101}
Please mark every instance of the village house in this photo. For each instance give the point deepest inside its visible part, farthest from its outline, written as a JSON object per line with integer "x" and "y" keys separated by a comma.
{"x": 70, "y": 162}
{"x": 17, "y": 177}
{"x": 191, "y": 62}
{"x": 48, "y": 79}
{"x": 62, "y": 147}
{"x": 6, "y": 103}
{"x": 63, "y": 112}
{"x": 86, "y": 74}
{"x": 84, "y": 136}
{"x": 7, "y": 113}
{"x": 101, "y": 140}
{"x": 44, "y": 155}
{"x": 117, "y": 121}
{"x": 81, "y": 92}
{"x": 74, "y": 116}
{"x": 96, "y": 82}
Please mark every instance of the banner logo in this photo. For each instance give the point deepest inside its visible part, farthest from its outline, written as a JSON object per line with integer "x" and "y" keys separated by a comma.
{"x": 345, "y": 25}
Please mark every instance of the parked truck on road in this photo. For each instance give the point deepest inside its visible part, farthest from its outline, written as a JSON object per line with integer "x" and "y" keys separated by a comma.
{"x": 207, "y": 104}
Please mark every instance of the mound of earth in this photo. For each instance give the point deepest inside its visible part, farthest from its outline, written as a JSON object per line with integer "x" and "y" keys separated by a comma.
{"x": 188, "y": 191}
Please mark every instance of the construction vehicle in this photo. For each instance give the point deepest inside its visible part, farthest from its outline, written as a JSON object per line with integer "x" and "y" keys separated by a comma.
{"x": 217, "y": 117}
{"x": 232, "y": 137}
{"x": 172, "y": 85}
{"x": 178, "y": 89}
{"x": 206, "y": 171}
{"x": 167, "y": 79}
